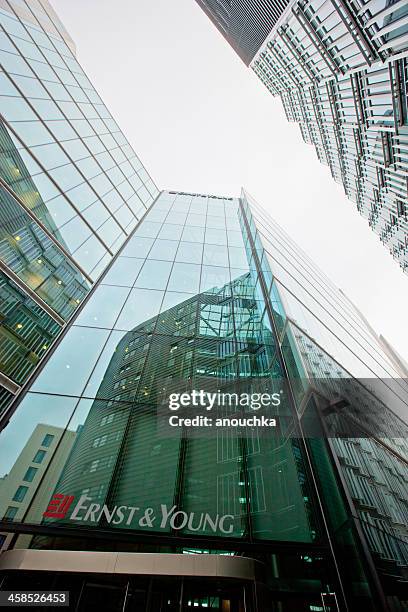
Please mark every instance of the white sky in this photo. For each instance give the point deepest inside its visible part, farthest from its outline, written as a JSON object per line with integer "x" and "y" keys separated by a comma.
{"x": 201, "y": 121}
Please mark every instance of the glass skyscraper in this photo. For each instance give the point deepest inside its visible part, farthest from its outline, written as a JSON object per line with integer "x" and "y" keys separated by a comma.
{"x": 72, "y": 188}
{"x": 211, "y": 289}
{"x": 193, "y": 291}
{"x": 341, "y": 71}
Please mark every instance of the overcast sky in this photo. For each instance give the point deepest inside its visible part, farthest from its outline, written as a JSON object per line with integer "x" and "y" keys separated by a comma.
{"x": 201, "y": 121}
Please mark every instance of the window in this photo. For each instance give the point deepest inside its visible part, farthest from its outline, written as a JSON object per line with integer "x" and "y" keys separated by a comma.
{"x": 97, "y": 491}
{"x": 10, "y": 513}
{"x": 94, "y": 465}
{"x": 48, "y": 438}
{"x": 30, "y": 473}
{"x": 100, "y": 441}
{"x": 39, "y": 456}
{"x": 103, "y": 463}
{"x": 107, "y": 419}
{"x": 401, "y": 208}
{"x": 20, "y": 494}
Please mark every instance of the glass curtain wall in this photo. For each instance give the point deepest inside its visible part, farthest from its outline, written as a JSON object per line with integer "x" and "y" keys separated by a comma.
{"x": 71, "y": 187}
{"x": 341, "y": 72}
{"x": 197, "y": 296}
{"x": 178, "y": 304}
{"x": 329, "y": 347}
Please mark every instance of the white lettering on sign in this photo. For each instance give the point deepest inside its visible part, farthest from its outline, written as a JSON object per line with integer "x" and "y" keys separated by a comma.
{"x": 88, "y": 511}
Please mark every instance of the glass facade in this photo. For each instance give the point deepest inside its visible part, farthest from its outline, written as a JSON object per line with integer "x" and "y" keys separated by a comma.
{"x": 71, "y": 187}
{"x": 325, "y": 339}
{"x": 177, "y": 320}
{"x": 341, "y": 71}
{"x": 209, "y": 291}
{"x": 114, "y": 296}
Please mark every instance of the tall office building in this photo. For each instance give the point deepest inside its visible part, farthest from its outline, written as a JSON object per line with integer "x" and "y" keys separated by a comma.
{"x": 72, "y": 189}
{"x": 119, "y": 296}
{"x": 209, "y": 293}
{"x": 341, "y": 70}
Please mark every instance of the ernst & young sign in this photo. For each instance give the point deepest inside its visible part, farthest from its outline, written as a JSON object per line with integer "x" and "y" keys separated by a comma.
{"x": 169, "y": 517}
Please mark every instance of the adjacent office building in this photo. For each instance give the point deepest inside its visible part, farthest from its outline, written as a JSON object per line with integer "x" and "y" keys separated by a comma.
{"x": 341, "y": 70}
{"x": 195, "y": 292}
{"x": 31, "y": 474}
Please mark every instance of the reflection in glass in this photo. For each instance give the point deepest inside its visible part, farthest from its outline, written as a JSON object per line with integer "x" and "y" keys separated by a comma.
{"x": 26, "y": 333}
{"x": 119, "y": 459}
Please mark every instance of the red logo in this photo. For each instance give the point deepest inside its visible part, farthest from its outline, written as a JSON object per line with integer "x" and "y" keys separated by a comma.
{"x": 59, "y": 505}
